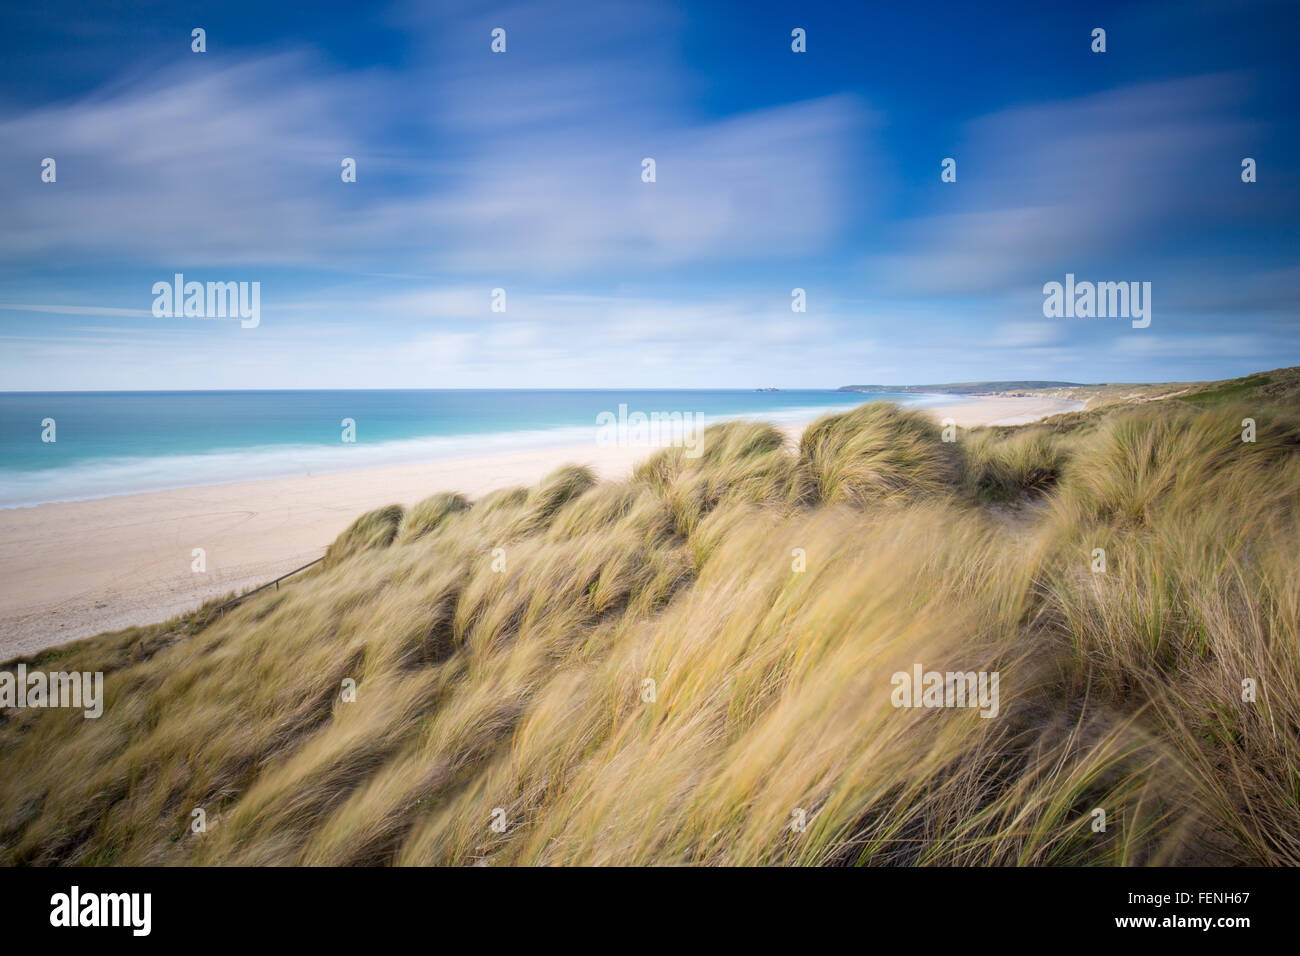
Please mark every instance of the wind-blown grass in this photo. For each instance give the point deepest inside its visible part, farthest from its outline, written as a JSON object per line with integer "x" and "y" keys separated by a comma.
{"x": 430, "y": 513}
{"x": 679, "y": 667}
{"x": 374, "y": 529}
{"x": 877, "y": 453}
{"x": 1006, "y": 468}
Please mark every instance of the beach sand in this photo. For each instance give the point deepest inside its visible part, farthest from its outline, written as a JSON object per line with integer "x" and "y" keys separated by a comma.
{"x": 75, "y": 569}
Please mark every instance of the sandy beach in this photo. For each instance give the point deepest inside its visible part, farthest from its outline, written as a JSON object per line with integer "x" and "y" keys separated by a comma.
{"x": 79, "y": 568}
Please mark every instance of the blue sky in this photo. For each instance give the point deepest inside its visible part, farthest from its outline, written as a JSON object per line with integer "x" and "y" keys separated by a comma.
{"x": 522, "y": 171}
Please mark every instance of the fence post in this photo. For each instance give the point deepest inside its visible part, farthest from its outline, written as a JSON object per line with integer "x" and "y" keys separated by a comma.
{"x": 263, "y": 587}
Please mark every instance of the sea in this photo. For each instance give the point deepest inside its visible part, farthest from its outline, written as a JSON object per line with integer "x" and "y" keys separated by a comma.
{"x": 121, "y": 442}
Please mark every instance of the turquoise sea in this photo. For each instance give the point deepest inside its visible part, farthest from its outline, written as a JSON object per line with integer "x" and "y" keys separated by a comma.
{"x": 109, "y": 443}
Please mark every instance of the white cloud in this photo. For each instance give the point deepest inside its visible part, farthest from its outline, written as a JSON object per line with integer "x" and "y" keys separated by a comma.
{"x": 77, "y": 310}
{"x": 1023, "y": 334}
{"x": 239, "y": 166}
{"x": 1051, "y": 188}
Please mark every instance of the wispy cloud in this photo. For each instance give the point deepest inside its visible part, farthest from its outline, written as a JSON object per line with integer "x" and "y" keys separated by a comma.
{"x": 76, "y": 310}
{"x": 239, "y": 165}
{"x": 1056, "y": 186}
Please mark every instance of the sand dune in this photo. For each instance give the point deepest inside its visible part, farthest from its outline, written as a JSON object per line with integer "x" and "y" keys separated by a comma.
{"x": 74, "y": 569}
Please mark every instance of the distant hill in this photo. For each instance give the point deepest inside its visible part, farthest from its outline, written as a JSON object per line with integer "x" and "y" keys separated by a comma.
{"x": 961, "y": 388}
{"x": 1280, "y": 384}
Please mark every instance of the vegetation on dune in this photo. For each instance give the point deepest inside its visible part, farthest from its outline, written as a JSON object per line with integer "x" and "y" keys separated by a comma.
{"x": 1237, "y": 388}
{"x": 430, "y": 513}
{"x": 1028, "y": 461}
{"x": 680, "y": 667}
{"x": 877, "y": 453}
{"x": 374, "y": 529}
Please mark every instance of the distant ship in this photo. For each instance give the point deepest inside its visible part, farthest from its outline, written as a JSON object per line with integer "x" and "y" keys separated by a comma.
{"x": 769, "y": 389}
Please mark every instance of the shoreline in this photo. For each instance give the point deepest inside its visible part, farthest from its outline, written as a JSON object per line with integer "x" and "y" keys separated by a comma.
{"x": 73, "y": 569}
{"x": 109, "y": 477}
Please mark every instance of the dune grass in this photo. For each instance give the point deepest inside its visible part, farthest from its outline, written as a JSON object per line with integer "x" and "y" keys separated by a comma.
{"x": 694, "y": 666}
{"x": 428, "y": 514}
{"x": 1029, "y": 461}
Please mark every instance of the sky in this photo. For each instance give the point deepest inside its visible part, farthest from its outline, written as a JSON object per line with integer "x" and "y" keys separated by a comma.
{"x": 522, "y": 170}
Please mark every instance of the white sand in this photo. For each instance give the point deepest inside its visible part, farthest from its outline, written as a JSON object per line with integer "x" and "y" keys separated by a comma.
{"x": 1003, "y": 410}
{"x": 74, "y": 569}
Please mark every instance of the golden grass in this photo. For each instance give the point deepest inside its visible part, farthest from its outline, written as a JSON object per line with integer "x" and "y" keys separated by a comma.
{"x": 430, "y": 513}
{"x": 1028, "y": 462}
{"x": 877, "y": 453}
{"x": 677, "y": 668}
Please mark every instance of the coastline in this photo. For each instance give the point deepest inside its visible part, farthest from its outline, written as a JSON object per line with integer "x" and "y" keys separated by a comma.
{"x": 78, "y": 568}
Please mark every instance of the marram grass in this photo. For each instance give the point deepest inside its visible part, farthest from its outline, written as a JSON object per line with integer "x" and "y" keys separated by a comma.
{"x": 681, "y": 667}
